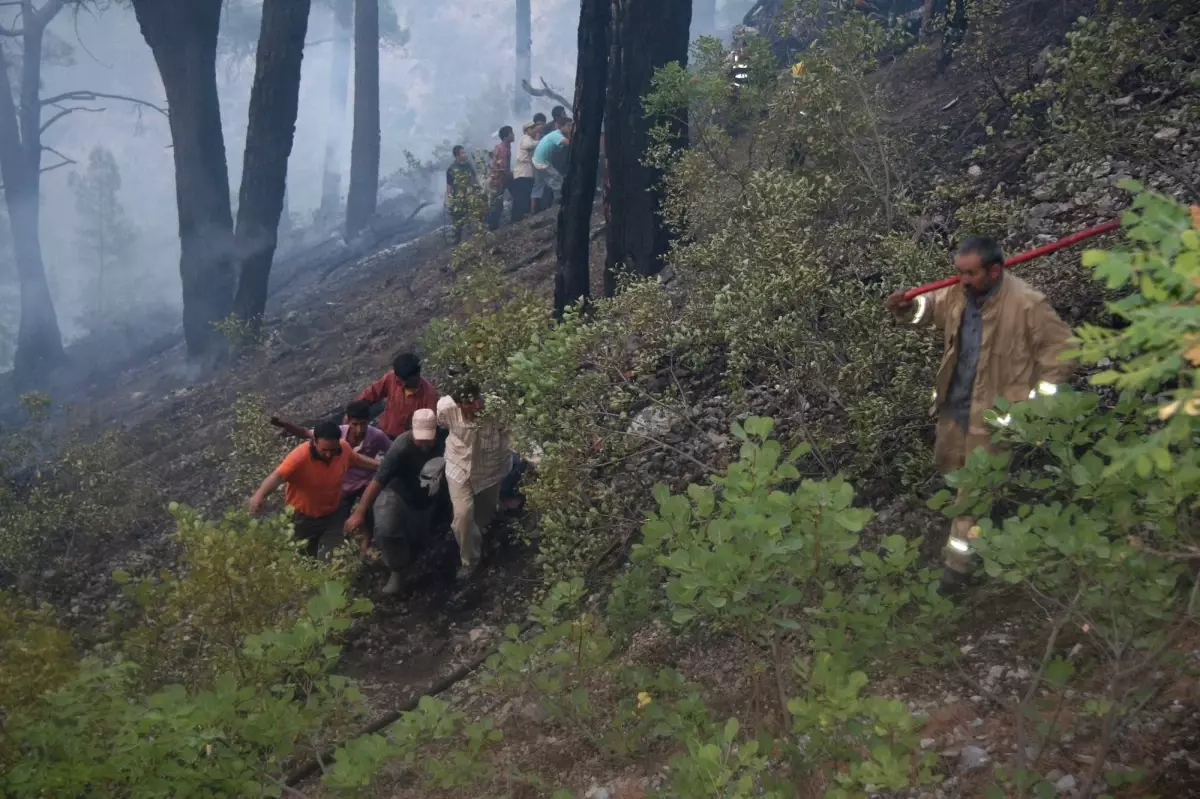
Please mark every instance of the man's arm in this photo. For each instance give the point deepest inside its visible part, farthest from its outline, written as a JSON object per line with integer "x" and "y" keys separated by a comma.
{"x": 273, "y": 481}
{"x": 925, "y": 309}
{"x": 388, "y": 467}
{"x": 1051, "y": 338}
{"x": 291, "y": 429}
{"x": 361, "y": 461}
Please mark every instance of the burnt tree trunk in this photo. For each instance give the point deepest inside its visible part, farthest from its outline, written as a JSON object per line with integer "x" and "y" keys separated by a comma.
{"x": 339, "y": 95}
{"x": 364, "y": 152}
{"x": 39, "y": 340}
{"x": 183, "y": 38}
{"x": 572, "y": 281}
{"x": 646, "y": 35}
{"x": 274, "y": 101}
{"x": 521, "y": 101}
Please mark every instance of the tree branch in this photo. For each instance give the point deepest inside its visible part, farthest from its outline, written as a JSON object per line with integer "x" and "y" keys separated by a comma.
{"x": 66, "y": 111}
{"x": 547, "y": 91}
{"x": 65, "y": 159}
{"x": 91, "y": 97}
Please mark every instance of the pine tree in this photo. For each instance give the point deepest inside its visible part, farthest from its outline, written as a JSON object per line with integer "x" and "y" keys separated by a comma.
{"x": 103, "y": 238}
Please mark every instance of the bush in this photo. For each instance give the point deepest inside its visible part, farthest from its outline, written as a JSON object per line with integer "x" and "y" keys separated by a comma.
{"x": 55, "y": 501}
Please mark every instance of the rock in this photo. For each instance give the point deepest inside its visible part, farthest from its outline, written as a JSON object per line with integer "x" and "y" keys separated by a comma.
{"x": 654, "y": 421}
{"x": 927, "y": 742}
{"x": 1043, "y": 210}
{"x": 1065, "y": 785}
{"x": 1167, "y": 134}
{"x": 995, "y": 672}
{"x": 975, "y": 171}
{"x": 596, "y": 792}
{"x": 972, "y": 758}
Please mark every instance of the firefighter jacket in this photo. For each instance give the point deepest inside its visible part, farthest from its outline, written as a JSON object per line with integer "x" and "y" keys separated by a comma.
{"x": 1020, "y": 351}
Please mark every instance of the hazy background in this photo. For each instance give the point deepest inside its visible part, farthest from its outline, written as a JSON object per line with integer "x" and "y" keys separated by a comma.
{"x": 451, "y": 83}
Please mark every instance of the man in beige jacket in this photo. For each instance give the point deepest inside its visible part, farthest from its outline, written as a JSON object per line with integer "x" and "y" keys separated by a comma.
{"x": 1002, "y": 339}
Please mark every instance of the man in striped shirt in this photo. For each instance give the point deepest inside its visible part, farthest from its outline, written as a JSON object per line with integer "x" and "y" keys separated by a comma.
{"x": 477, "y": 459}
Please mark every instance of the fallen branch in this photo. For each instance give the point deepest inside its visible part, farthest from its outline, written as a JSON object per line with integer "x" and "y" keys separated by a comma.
{"x": 547, "y": 91}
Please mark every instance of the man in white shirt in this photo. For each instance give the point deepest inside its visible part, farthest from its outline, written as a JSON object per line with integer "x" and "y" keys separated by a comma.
{"x": 521, "y": 187}
{"x": 477, "y": 460}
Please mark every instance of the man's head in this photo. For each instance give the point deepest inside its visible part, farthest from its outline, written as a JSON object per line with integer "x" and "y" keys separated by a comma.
{"x": 358, "y": 418}
{"x": 407, "y": 367}
{"x": 980, "y": 264}
{"x": 506, "y": 134}
{"x": 327, "y": 441}
{"x": 539, "y": 118}
{"x": 460, "y": 153}
{"x": 468, "y": 397}
{"x": 558, "y": 112}
{"x": 424, "y": 428}
{"x": 530, "y": 128}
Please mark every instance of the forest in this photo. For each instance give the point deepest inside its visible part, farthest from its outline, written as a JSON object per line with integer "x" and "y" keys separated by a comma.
{"x": 727, "y": 576}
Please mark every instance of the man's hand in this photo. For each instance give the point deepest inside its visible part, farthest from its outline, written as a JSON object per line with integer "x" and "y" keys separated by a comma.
{"x": 354, "y": 522}
{"x": 897, "y": 304}
{"x": 256, "y": 504}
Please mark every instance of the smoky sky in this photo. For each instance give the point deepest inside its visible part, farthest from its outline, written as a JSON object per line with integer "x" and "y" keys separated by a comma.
{"x": 451, "y": 83}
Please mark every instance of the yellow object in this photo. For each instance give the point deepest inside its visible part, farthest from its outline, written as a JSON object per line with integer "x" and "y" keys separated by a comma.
{"x": 798, "y": 70}
{"x": 643, "y": 699}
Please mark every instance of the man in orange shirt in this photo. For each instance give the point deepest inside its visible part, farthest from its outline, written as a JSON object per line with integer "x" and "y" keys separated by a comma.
{"x": 313, "y": 472}
{"x": 405, "y": 391}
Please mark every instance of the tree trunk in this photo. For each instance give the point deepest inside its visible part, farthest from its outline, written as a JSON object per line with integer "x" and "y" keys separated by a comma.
{"x": 183, "y": 38}
{"x": 364, "y": 152}
{"x": 573, "y": 282}
{"x": 521, "y": 101}
{"x": 704, "y": 18}
{"x": 646, "y": 35}
{"x": 39, "y": 340}
{"x": 274, "y": 101}
{"x": 339, "y": 95}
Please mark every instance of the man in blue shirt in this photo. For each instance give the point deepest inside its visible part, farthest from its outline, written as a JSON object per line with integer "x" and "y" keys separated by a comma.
{"x": 548, "y": 161}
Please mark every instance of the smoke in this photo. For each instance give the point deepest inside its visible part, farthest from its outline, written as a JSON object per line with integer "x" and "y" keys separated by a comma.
{"x": 451, "y": 83}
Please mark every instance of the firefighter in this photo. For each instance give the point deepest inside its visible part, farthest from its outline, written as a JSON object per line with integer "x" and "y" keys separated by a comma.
{"x": 1002, "y": 339}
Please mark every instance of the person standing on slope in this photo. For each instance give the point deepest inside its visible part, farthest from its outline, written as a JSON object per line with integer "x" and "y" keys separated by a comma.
{"x": 1002, "y": 339}
{"x": 313, "y": 473}
{"x": 477, "y": 460}
{"x": 405, "y": 391}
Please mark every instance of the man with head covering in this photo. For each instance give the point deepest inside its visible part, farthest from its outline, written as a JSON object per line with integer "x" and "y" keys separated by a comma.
{"x": 402, "y": 494}
{"x": 521, "y": 187}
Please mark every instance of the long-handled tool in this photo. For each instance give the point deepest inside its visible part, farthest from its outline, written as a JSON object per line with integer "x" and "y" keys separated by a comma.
{"x": 1020, "y": 258}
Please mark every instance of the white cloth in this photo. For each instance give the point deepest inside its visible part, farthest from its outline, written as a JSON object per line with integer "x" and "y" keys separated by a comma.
{"x": 477, "y": 452}
{"x": 523, "y": 168}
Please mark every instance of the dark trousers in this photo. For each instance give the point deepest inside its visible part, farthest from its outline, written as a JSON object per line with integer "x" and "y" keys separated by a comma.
{"x": 402, "y": 529}
{"x": 495, "y": 209}
{"x": 520, "y": 189}
{"x": 320, "y": 534}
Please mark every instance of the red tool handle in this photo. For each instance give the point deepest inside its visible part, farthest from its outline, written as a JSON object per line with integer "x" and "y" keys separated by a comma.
{"x": 1020, "y": 258}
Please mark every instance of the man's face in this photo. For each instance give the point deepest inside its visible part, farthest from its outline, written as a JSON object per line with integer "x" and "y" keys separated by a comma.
{"x": 461, "y": 157}
{"x": 412, "y": 382}
{"x": 423, "y": 445}
{"x": 327, "y": 448}
{"x": 356, "y": 431}
{"x": 975, "y": 277}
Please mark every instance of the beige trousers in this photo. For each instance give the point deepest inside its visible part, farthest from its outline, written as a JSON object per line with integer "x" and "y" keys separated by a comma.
{"x": 473, "y": 512}
{"x": 950, "y": 452}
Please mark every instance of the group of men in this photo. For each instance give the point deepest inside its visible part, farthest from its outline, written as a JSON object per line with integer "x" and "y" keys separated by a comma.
{"x": 532, "y": 177}
{"x": 1002, "y": 338}
{"x": 387, "y": 481}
